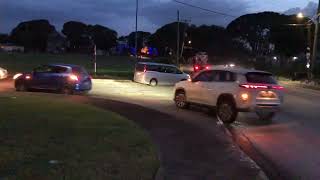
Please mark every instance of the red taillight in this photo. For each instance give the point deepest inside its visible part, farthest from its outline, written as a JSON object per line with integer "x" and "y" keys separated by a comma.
{"x": 207, "y": 67}
{"x": 196, "y": 67}
{"x": 28, "y": 77}
{"x": 74, "y": 77}
{"x": 278, "y": 87}
{"x": 259, "y": 86}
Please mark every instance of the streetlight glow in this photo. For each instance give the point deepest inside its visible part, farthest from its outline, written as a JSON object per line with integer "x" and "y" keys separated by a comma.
{"x": 189, "y": 42}
{"x": 300, "y": 15}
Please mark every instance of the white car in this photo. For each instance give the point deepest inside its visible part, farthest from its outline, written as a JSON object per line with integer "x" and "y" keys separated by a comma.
{"x": 231, "y": 90}
{"x": 158, "y": 74}
{"x": 3, "y": 73}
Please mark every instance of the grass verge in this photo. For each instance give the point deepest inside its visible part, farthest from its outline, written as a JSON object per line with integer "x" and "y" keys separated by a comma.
{"x": 118, "y": 66}
{"x": 50, "y": 138}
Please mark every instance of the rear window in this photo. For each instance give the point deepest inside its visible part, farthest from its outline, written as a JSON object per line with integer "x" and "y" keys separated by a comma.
{"x": 79, "y": 70}
{"x": 140, "y": 67}
{"x": 263, "y": 78}
{"x": 59, "y": 69}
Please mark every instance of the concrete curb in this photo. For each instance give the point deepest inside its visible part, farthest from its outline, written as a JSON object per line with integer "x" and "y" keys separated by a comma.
{"x": 262, "y": 175}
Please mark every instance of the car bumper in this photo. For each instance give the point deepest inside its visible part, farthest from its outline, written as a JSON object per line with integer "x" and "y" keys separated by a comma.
{"x": 82, "y": 87}
{"x": 261, "y": 108}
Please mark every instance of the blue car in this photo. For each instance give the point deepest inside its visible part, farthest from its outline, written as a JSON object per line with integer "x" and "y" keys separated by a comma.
{"x": 64, "y": 78}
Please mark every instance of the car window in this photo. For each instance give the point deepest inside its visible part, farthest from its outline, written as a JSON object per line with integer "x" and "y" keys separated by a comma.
{"x": 258, "y": 77}
{"x": 206, "y": 76}
{"x": 43, "y": 69}
{"x": 153, "y": 68}
{"x": 140, "y": 67}
{"x": 59, "y": 69}
{"x": 226, "y": 76}
{"x": 79, "y": 70}
{"x": 172, "y": 70}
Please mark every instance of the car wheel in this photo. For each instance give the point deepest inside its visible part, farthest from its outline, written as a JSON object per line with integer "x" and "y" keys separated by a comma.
{"x": 21, "y": 87}
{"x": 153, "y": 82}
{"x": 181, "y": 100}
{"x": 226, "y": 111}
{"x": 266, "y": 116}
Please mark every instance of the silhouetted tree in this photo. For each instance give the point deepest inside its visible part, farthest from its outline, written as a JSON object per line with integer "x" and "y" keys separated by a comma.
{"x": 33, "y": 35}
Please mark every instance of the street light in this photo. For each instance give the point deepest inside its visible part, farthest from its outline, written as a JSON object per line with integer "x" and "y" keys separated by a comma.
{"x": 189, "y": 42}
{"x": 300, "y": 15}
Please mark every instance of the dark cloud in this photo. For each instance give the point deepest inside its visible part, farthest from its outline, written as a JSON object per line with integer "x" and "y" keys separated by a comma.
{"x": 117, "y": 14}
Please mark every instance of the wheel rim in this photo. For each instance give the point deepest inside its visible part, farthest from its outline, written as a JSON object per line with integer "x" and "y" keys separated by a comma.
{"x": 181, "y": 100}
{"x": 225, "y": 112}
{"x": 153, "y": 83}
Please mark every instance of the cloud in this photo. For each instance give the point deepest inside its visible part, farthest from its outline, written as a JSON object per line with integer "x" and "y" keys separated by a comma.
{"x": 116, "y": 14}
{"x": 310, "y": 10}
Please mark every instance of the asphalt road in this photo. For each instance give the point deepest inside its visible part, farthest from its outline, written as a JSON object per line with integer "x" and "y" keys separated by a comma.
{"x": 291, "y": 143}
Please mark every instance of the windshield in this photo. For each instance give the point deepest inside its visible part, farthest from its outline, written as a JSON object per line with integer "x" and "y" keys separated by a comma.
{"x": 263, "y": 78}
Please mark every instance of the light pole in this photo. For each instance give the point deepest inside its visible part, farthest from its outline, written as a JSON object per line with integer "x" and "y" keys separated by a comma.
{"x": 315, "y": 42}
{"x": 136, "y": 37}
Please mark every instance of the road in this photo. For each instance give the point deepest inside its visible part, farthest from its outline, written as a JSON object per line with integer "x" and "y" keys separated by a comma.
{"x": 290, "y": 143}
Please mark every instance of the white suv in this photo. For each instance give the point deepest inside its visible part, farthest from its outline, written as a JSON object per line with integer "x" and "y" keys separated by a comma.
{"x": 231, "y": 90}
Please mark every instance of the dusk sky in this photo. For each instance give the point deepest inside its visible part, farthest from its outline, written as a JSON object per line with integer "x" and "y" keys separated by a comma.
{"x": 120, "y": 14}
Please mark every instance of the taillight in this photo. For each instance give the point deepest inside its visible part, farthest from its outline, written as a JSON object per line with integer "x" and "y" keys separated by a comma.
{"x": 196, "y": 67}
{"x": 258, "y": 86}
{"x": 207, "y": 67}
{"x": 278, "y": 87}
{"x": 28, "y": 77}
{"x": 73, "y": 77}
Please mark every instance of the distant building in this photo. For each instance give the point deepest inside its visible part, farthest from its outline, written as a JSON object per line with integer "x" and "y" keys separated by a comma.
{"x": 11, "y": 48}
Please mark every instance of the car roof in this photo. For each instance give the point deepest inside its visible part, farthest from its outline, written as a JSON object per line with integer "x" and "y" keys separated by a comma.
{"x": 64, "y": 65}
{"x": 238, "y": 70}
{"x": 158, "y": 64}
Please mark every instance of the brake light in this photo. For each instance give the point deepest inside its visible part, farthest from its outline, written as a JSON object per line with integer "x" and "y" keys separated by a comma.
{"x": 196, "y": 67}
{"x": 73, "y": 77}
{"x": 207, "y": 67}
{"x": 278, "y": 87}
{"x": 258, "y": 86}
{"x": 28, "y": 77}
{"x": 251, "y": 86}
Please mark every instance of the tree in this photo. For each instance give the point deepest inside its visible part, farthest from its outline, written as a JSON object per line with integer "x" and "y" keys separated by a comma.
{"x": 33, "y": 35}
{"x": 4, "y": 38}
{"x": 269, "y": 31}
{"x": 82, "y": 37}
{"x": 77, "y": 36}
{"x": 143, "y": 38}
{"x": 103, "y": 37}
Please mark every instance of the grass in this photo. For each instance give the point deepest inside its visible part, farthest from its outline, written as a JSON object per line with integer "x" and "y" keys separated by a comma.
{"x": 50, "y": 138}
{"x": 106, "y": 65}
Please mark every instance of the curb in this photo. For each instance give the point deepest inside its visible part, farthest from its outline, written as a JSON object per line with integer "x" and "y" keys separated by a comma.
{"x": 267, "y": 169}
{"x": 261, "y": 175}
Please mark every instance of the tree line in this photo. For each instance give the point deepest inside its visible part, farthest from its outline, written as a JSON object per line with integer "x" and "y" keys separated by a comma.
{"x": 257, "y": 34}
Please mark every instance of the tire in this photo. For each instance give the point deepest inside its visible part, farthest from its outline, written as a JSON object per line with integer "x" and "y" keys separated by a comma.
{"x": 66, "y": 90}
{"x": 226, "y": 111}
{"x": 180, "y": 100}
{"x": 153, "y": 82}
{"x": 266, "y": 116}
{"x": 21, "y": 87}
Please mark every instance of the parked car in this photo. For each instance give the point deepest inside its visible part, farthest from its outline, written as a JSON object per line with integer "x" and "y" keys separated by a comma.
{"x": 3, "y": 73}
{"x": 64, "y": 78}
{"x": 158, "y": 74}
{"x": 232, "y": 90}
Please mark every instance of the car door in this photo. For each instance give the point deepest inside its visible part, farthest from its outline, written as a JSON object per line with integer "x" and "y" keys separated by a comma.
{"x": 198, "y": 90}
{"x": 40, "y": 77}
{"x": 58, "y": 76}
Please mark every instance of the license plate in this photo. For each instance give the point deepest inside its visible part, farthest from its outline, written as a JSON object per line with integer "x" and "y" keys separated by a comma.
{"x": 267, "y": 95}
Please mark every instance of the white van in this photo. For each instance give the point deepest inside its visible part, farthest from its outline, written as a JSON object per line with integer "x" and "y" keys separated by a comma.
{"x": 158, "y": 74}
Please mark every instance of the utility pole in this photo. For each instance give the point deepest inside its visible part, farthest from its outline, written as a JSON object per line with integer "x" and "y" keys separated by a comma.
{"x": 178, "y": 36}
{"x": 315, "y": 43}
{"x": 95, "y": 59}
{"x": 136, "y": 40}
